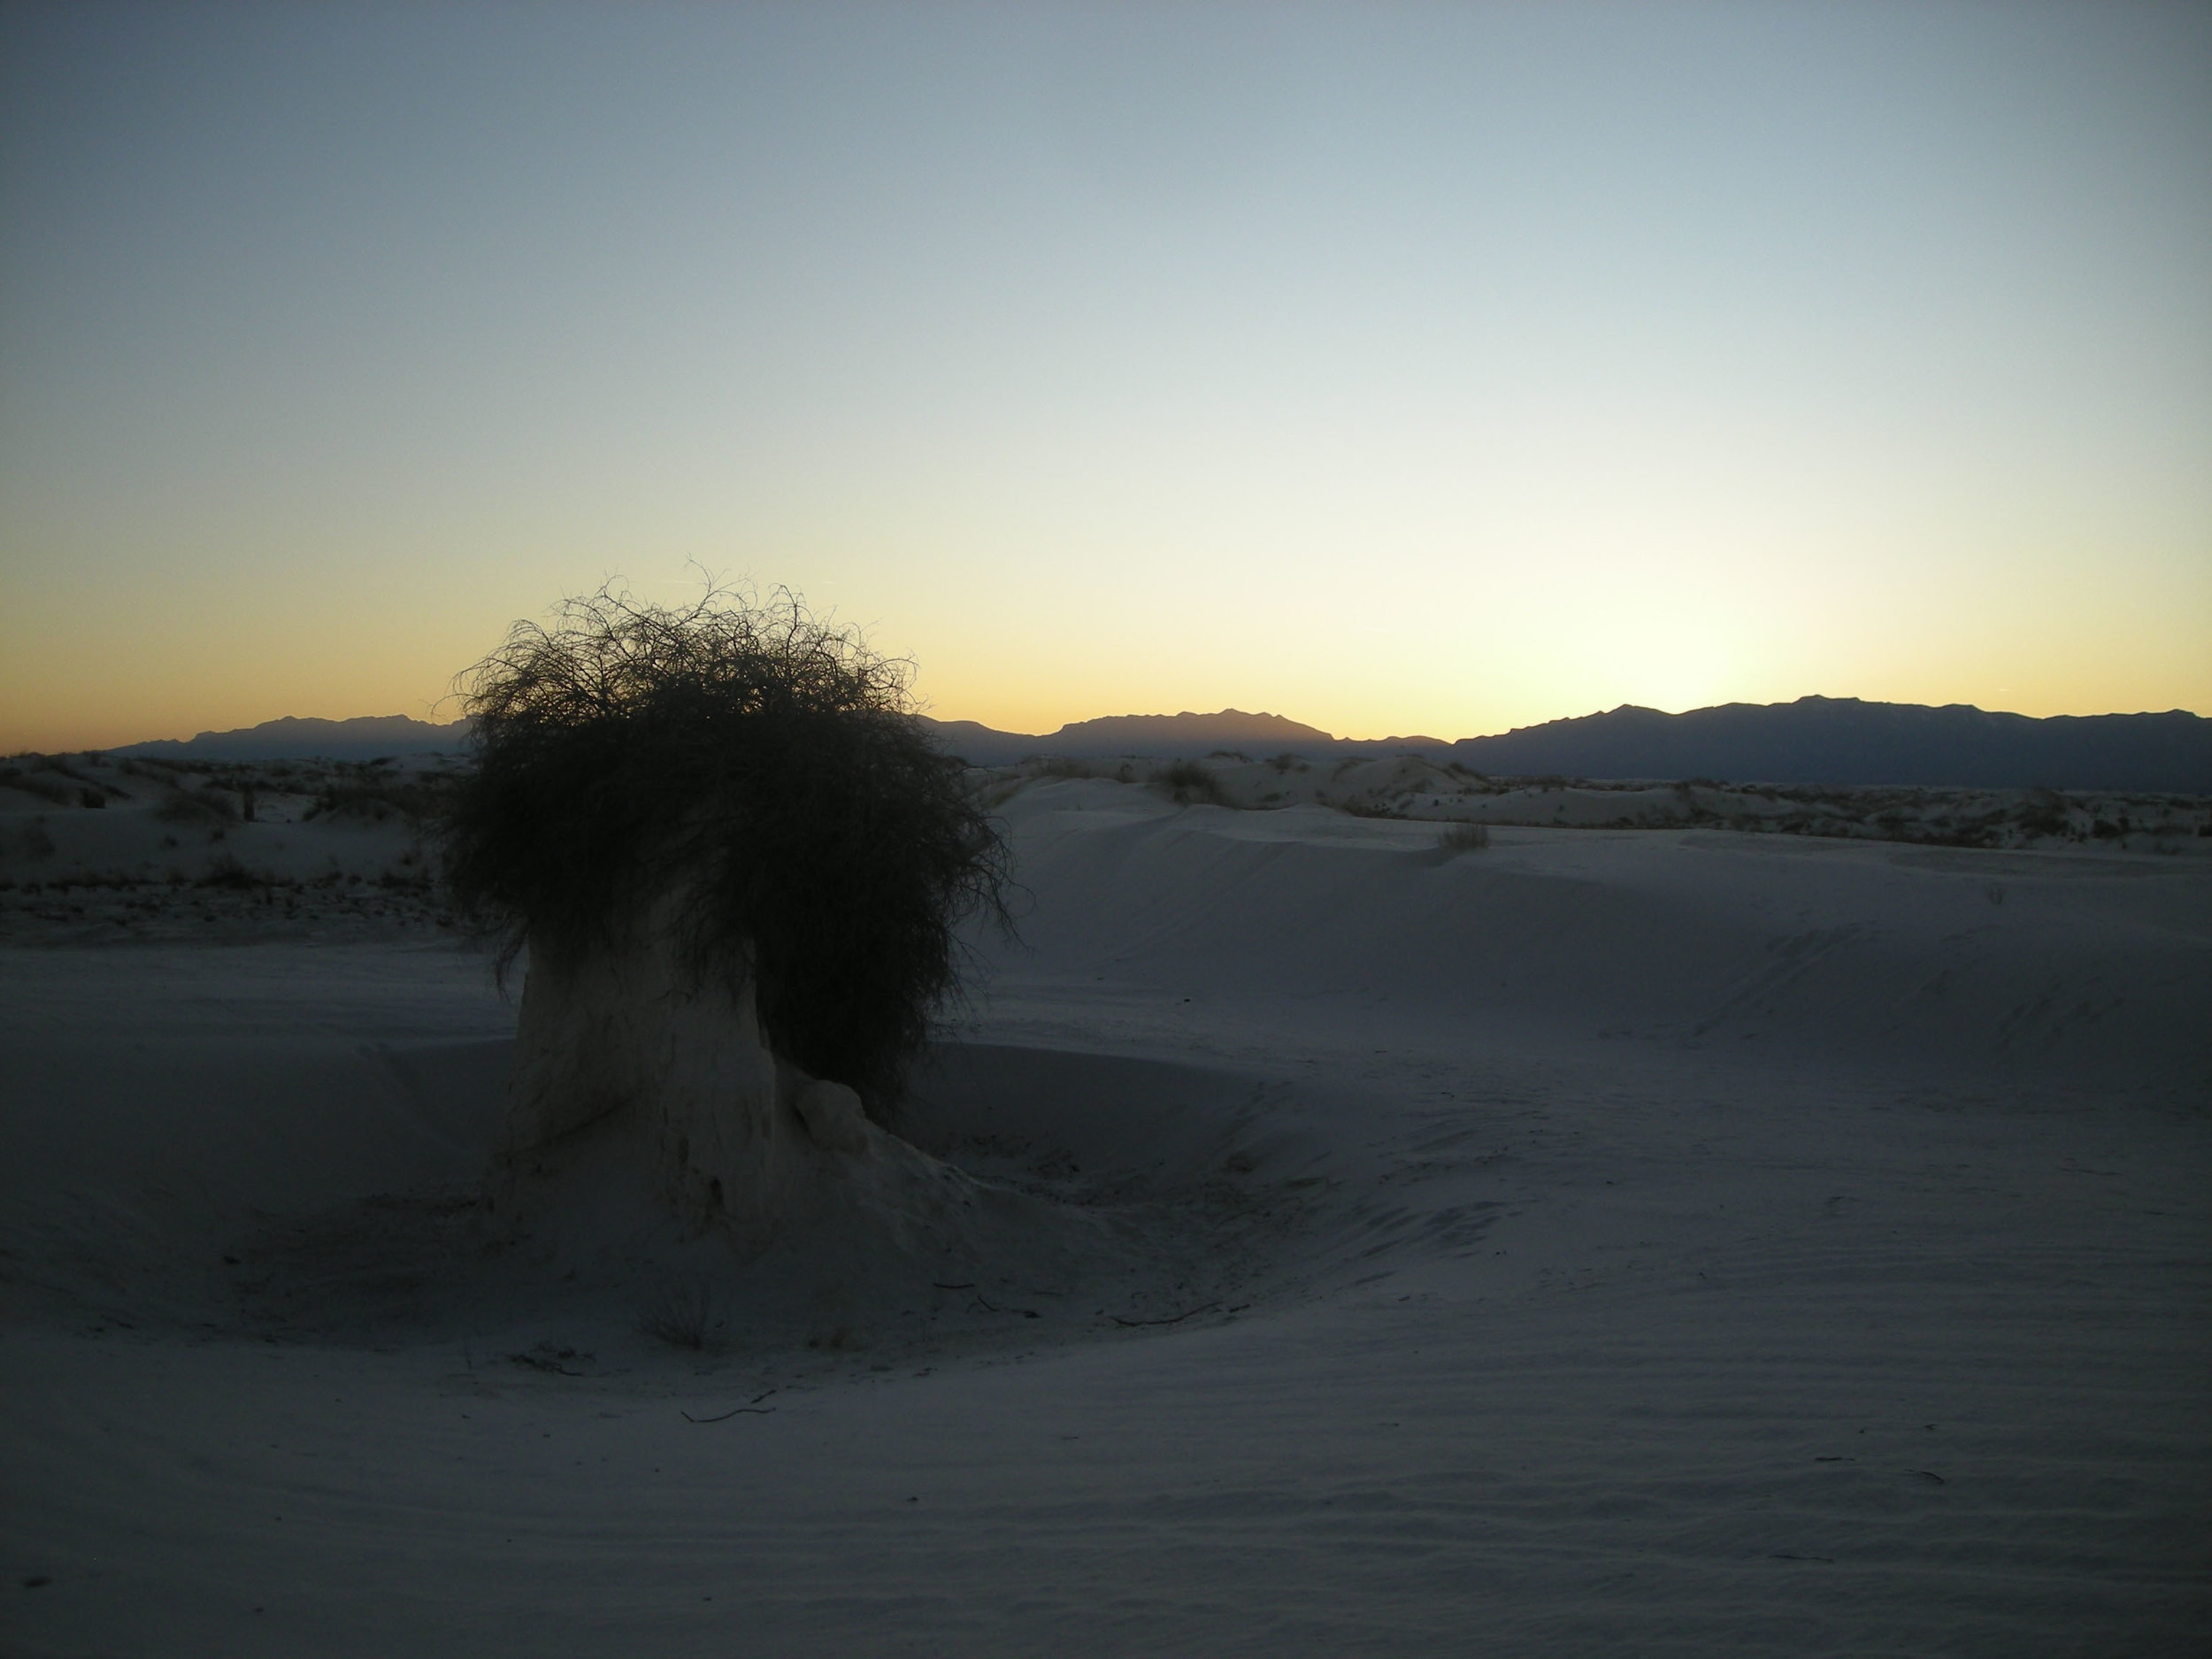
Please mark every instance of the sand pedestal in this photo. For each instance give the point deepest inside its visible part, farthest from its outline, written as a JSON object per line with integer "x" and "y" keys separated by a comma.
{"x": 632, "y": 1073}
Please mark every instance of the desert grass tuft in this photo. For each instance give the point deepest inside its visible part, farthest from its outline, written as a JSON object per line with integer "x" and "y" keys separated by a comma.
{"x": 1192, "y": 784}
{"x": 1464, "y": 838}
{"x": 680, "y": 1312}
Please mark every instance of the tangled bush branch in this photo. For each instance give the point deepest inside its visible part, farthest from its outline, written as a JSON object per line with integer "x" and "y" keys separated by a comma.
{"x": 763, "y": 761}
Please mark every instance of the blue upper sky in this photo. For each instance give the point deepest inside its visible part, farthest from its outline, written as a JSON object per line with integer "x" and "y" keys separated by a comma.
{"x": 1393, "y": 367}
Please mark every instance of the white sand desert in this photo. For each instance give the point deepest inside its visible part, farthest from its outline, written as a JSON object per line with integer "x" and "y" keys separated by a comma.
{"x": 1664, "y": 1241}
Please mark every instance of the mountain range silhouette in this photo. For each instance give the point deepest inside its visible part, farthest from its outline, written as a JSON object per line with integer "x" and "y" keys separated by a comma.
{"x": 1812, "y": 740}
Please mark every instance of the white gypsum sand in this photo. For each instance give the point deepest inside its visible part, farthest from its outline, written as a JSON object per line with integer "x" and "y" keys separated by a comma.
{"x": 1412, "y": 787}
{"x": 1666, "y": 1242}
{"x": 92, "y": 846}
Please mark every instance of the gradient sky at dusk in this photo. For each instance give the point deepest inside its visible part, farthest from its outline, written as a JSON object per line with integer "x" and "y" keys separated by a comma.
{"x": 1396, "y": 368}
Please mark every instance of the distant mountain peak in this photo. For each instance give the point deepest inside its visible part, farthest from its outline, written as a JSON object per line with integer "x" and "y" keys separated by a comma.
{"x": 1227, "y": 725}
{"x": 1820, "y": 739}
{"x": 300, "y": 737}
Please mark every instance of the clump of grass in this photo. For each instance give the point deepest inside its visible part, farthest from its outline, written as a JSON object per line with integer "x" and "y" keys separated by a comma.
{"x": 1060, "y": 766}
{"x": 1464, "y": 838}
{"x": 680, "y": 1312}
{"x": 372, "y": 796}
{"x": 181, "y": 805}
{"x": 760, "y": 759}
{"x": 1191, "y": 783}
{"x": 226, "y": 871}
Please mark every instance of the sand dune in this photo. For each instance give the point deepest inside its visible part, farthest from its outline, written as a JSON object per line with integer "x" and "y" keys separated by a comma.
{"x": 1667, "y": 1241}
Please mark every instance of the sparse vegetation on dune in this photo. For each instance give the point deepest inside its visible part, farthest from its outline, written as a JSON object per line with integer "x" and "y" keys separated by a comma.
{"x": 54, "y": 780}
{"x": 182, "y": 849}
{"x": 1058, "y": 766}
{"x": 374, "y": 793}
{"x": 1411, "y": 787}
{"x": 757, "y": 757}
{"x": 110, "y": 844}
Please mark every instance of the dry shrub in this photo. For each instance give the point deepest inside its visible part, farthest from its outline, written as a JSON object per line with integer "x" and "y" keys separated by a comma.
{"x": 759, "y": 756}
{"x": 1190, "y": 783}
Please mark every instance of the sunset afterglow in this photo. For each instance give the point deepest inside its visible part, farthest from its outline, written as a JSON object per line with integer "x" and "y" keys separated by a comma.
{"x": 1397, "y": 369}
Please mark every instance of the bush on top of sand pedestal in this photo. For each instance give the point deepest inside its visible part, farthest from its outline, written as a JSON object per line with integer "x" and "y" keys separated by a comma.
{"x": 763, "y": 759}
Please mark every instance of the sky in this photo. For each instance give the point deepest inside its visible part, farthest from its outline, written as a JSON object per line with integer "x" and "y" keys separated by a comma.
{"x": 1400, "y": 369}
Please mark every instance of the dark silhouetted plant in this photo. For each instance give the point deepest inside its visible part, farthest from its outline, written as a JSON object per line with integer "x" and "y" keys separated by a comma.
{"x": 1190, "y": 783}
{"x": 763, "y": 761}
{"x": 1464, "y": 838}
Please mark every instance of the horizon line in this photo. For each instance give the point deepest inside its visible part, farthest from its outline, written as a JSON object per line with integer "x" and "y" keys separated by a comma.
{"x": 1189, "y": 714}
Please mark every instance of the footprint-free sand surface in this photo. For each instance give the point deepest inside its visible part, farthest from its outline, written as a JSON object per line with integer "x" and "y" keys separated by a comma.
{"x": 1656, "y": 1243}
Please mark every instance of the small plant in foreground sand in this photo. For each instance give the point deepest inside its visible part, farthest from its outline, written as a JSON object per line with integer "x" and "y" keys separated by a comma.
{"x": 680, "y": 1312}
